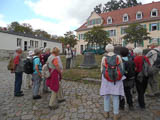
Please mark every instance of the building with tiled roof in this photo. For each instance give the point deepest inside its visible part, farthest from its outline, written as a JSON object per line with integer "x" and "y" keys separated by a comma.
{"x": 116, "y": 21}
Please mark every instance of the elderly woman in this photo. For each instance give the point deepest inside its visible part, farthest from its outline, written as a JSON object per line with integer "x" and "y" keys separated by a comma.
{"x": 53, "y": 81}
{"x": 140, "y": 85}
{"x": 45, "y": 57}
{"x": 37, "y": 76}
{"x": 108, "y": 88}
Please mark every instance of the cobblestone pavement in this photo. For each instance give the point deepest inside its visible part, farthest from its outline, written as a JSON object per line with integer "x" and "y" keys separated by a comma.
{"x": 83, "y": 102}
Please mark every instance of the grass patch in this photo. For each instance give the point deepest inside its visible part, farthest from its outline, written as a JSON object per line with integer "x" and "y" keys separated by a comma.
{"x": 79, "y": 73}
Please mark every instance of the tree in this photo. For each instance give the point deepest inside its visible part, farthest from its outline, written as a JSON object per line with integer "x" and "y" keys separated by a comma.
{"x": 97, "y": 36}
{"x": 42, "y": 33}
{"x": 136, "y": 33}
{"x": 115, "y": 5}
{"x": 69, "y": 38}
{"x": 24, "y": 28}
{"x": 131, "y": 3}
{"x": 98, "y": 9}
{"x": 111, "y": 5}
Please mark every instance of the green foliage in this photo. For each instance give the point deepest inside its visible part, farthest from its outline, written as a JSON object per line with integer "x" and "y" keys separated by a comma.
{"x": 97, "y": 36}
{"x": 69, "y": 38}
{"x": 136, "y": 33}
{"x": 42, "y": 33}
{"x": 24, "y": 28}
{"x": 115, "y": 5}
{"x": 27, "y": 28}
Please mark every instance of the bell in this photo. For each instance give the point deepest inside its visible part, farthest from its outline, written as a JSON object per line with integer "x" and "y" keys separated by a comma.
{"x": 89, "y": 61}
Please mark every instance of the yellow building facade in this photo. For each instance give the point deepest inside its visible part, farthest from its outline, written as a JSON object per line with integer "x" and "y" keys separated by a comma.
{"x": 116, "y": 21}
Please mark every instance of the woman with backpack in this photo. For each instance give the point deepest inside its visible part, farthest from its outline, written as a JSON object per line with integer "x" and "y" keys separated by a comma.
{"x": 53, "y": 82}
{"x": 37, "y": 75}
{"x": 129, "y": 72}
{"x": 141, "y": 80}
{"x": 112, "y": 80}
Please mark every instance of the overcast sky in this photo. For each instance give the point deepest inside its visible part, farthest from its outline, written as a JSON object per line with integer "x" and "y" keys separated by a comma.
{"x": 54, "y": 16}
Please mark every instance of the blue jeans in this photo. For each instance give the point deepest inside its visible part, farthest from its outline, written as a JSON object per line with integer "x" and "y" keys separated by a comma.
{"x": 36, "y": 84}
{"x": 18, "y": 82}
{"x": 115, "y": 99}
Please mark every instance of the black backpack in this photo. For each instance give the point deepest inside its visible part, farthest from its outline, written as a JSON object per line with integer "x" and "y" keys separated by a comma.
{"x": 129, "y": 72}
{"x": 28, "y": 66}
{"x": 129, "y": 68}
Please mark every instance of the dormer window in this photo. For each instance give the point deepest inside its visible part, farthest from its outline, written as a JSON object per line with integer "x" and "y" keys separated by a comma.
{"x": 125, "y": 18}
{"x": 154, "y": 13}
{"x": 139, "y": 15}
{"x": 109, "y": 20}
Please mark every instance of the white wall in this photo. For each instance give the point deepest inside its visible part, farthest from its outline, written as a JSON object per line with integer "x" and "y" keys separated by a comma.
{"x": 9, "y": 42}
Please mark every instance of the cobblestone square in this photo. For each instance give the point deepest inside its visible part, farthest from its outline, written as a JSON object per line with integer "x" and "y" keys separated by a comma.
{"x": 83, "y": 102}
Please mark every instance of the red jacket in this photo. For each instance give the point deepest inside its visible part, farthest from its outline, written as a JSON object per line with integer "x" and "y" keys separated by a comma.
{"x": 138, "y": 62}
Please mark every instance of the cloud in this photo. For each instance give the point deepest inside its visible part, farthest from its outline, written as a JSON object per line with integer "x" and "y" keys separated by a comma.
{"x": 50, "y": 27}
{"x": 70, "y": 14}
{"x": 2, "y": 22}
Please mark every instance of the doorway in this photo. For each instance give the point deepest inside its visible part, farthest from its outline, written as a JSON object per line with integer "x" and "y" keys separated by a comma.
{"x": 25, "y": 45}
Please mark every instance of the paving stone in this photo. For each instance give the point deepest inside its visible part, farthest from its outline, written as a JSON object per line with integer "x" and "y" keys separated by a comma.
{"x": 83, "y": 102}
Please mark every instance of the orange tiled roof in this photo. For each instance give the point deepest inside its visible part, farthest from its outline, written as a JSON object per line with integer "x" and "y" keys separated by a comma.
{"x": 117, "y": 15}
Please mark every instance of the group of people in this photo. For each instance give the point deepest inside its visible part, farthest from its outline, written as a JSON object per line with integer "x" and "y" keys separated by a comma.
{"x": 126, "y": 70}
{"x": 121, "y": 73}
{"x": 33, "y": 67}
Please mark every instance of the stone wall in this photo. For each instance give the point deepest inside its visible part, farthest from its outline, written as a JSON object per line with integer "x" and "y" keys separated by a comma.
{"x": 6, "y": 54}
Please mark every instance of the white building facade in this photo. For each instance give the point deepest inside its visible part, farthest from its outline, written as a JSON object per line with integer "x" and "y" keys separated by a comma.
{"x": 9, "y": 41}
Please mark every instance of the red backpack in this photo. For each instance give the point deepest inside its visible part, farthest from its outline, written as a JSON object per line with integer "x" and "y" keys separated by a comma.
{"x": 113, "y": 70}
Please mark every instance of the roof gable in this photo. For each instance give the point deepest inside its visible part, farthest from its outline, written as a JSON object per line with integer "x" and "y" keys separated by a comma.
{"x": 117, "y": 15}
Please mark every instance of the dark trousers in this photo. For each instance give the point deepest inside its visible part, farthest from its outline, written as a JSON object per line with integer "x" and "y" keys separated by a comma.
{"x": 68, "y": 63}
{"x": 18, "y": 82}
{"x": 128, "y": 95}
{"x": 141, "y": 88}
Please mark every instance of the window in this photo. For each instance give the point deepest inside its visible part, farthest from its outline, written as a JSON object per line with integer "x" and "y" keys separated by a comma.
{"x": 154, "y": 26}
{"x": 139, "y": 15}
{"x": 112, "y": 33}
{"x": 94, "y": 21}
{"x": 154, "y": 13}
{"x": 45, "y": 44}
{"x": 36, "y": 44}
{"x": 81, "y": 37}
{"x": 125, "y": 18}
{"x": 109, "y": 20}
{"x": 98, "y": 21}
{"x": 123, "y": 30}
{"x": 31, "y": 43}
{"x": 19, "y": 42}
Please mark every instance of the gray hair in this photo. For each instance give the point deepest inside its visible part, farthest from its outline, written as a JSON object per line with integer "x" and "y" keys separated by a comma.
{"x": 109, "y": 48}
{"x": 18, "y": 48}
{"x": 138, "y": 51}
{"x": 37, "y": 51}
{"x": 47, "y": 49}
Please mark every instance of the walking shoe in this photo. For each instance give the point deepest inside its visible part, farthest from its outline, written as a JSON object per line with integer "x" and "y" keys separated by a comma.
{"x": 62, "y": 100}
{"x": 150, "y": 95}
{"x": 116, "y": 117}
{"x": 36, "y": 97}
{"x": 131, "y": 108}
{"x": 157, "y": 94}
{"x": 19, "y": 95}
{"x": 106, "y": 115}
{"x": 121, "y": 108}
{"x": 53, "y": 107}
{"x": 21, "y": 91}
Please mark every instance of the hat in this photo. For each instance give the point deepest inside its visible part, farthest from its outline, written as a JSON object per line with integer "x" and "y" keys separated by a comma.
{"x": 30, "y": 53}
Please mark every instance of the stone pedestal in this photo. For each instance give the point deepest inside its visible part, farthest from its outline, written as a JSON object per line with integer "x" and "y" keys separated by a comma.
{"x": 89, "y": 61}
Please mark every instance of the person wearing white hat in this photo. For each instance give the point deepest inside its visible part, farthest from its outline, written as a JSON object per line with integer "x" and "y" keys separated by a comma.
{"x": 28, "y": 77}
